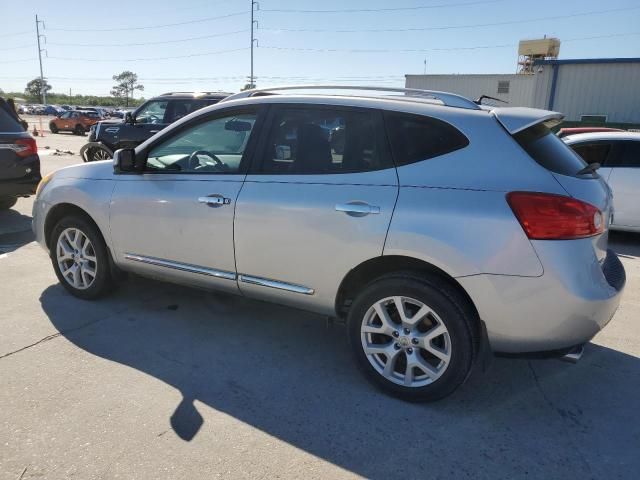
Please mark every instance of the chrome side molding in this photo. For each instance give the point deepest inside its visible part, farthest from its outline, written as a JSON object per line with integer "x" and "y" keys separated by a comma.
{"x": 185, "y": 267}
{"x": 265, "y": 282}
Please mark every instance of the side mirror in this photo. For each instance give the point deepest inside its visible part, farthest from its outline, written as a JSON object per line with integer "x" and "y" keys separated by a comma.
{"x": 124, "y": 161}
{"x": 128, "y": 118}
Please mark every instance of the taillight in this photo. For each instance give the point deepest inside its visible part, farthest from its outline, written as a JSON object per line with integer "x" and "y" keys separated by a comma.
{"x": 25, "y": 147}
{"x": 546, "y": 216}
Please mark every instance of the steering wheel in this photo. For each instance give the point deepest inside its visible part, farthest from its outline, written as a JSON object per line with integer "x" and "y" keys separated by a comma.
{"x": 194, "y": 162}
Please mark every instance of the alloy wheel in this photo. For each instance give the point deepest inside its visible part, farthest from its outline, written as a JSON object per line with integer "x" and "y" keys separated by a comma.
{"x": 76, "y": 258}
{"x": 405, "y": 341}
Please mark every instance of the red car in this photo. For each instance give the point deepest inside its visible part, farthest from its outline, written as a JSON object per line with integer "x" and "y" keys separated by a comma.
{"x": 563, "y": 132}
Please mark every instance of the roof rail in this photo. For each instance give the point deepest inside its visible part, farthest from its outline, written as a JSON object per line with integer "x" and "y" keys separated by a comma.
{"x": 202, "y": 93}
{"x": 448, "y": 99}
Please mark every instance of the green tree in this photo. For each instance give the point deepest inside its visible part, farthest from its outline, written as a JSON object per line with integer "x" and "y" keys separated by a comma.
{"x": 35, "y": 88}
{"x": 127, "y": 84}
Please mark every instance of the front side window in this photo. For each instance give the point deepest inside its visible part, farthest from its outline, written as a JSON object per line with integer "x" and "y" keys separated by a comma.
{"x": 325, "y": 141}
{"x": 152, "y": 112}
{"x": 415, "y": 137}
{"x": 593, "y": 152}
{"x": 214, "y": 146}
{"x": 66, "y": 115}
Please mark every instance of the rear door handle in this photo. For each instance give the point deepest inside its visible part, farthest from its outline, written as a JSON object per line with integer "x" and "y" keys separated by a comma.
{"x": 214, "y": 200}
{"x": 357, "y": 209}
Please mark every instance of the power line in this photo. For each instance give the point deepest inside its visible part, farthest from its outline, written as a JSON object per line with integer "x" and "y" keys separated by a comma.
{"x": 199, "y": 20}
{"x": 436, "y": 49}
{"x": 451, "y": 27}
{"x": 17, "y": 47}
{"x": 149, "y": 58}
{"x": 389, "y": 9}
{"x": 15, "y": 34}
{"x": 147, "y": 43}
{"x": 18, "y": 61}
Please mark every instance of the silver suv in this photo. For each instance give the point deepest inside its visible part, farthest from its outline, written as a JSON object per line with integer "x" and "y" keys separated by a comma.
{"x": 438, "y": 228}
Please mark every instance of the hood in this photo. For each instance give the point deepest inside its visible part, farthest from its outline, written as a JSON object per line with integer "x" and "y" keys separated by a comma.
{"x": 93, "y": 170}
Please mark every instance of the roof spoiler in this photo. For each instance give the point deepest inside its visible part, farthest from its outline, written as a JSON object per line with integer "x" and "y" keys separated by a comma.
{"x": 517, "y": 119}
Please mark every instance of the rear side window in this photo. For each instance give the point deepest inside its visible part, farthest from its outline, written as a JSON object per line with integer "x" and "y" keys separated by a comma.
{"x": 7, "y": 123}
{"x": 415, "y": 137}
{"x": 549, "y": 151}
{"x": 593, "y": 152}
{"x": 628, "y": 155}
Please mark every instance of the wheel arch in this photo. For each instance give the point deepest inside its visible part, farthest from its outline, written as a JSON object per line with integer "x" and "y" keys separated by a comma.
{"x": 61, "y": 210}
{"x": 360, "y": 276}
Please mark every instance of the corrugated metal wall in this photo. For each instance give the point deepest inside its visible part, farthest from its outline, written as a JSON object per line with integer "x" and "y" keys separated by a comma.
{"x": 611, "y": 89}
{"x": 472, "y": 86}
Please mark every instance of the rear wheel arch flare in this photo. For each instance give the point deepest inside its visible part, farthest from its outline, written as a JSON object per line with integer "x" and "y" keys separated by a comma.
{"x": 360, "y": 276}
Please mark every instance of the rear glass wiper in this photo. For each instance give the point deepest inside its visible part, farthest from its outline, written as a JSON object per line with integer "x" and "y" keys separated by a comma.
{"x": 591, "y": 168}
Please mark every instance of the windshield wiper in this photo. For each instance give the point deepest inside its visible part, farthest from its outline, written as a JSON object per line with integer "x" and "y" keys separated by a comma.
{"x": 591, "y": 168}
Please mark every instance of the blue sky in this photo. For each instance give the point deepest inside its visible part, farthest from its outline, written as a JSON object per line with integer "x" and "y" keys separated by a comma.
{"x": 85, "y": 60}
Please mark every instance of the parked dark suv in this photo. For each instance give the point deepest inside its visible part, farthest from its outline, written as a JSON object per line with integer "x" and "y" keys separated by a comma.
{"x": 19, "y": 162}
{"x": 108, "y": 136}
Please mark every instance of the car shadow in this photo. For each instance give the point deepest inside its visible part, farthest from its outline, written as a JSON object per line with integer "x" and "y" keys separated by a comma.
{"x": 625, "y": 243}
{"x": 290, "y": 374}
{"x": 15, "y": 231}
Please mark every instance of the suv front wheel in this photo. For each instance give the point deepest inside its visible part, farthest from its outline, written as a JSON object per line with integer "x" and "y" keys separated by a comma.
{"x": 80, "y": 258}
{"x": 413, "y": 336}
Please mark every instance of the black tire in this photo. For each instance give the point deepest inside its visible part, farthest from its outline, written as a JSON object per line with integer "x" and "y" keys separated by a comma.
{"x": 453, "y": 310}
{"x": 96, "y": 154}
{"x": 103, "y": 282}
{"x": 7, "y": 202}
{"x": 79, "y": 130}
{"x": 53, "y": 128}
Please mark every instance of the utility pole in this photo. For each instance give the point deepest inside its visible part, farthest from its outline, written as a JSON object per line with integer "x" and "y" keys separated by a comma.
{"x": 253, "y": 40}
{"x": 43, "y": 90}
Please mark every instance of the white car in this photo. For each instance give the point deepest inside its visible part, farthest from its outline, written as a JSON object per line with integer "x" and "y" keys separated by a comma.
{"x": 618, "y": 154}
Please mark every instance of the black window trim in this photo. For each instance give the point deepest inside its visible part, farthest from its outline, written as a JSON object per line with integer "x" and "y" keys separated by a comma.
{"x": 247, "y": 155}
{"x": 258, "y": 164}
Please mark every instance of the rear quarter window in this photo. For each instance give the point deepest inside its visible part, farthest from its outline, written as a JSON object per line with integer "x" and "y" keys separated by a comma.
{"x": 549, "y": 151}
{"x": 415, "y": 138}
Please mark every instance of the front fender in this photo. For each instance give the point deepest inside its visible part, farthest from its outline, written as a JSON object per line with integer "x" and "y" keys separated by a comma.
{"x": 91, "y": 196}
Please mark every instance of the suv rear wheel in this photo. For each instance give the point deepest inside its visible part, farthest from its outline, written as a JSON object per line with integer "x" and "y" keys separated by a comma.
{"x": 79, "y": 130}
{"x": 412, "y": 336}
{"x": 80, "y": 258}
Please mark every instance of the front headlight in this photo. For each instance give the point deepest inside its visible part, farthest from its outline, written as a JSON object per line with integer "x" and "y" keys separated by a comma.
{"x": 46, "y": 179}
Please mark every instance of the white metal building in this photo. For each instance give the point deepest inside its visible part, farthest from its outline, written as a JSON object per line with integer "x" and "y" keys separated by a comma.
{"x": 601, "y": 89}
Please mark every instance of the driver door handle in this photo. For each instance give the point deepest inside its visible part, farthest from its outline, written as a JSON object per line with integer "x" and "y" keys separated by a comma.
{"x": 357, "y": 209}
{"x": 214, "y": 200}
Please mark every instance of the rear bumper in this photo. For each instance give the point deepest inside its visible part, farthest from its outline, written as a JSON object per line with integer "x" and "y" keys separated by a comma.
{"x": 24, "y": 176}
{"x": 566, "y": 306}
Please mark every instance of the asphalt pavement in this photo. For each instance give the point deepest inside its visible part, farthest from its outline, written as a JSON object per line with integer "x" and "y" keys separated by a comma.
{"x": 160, "y": 381}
